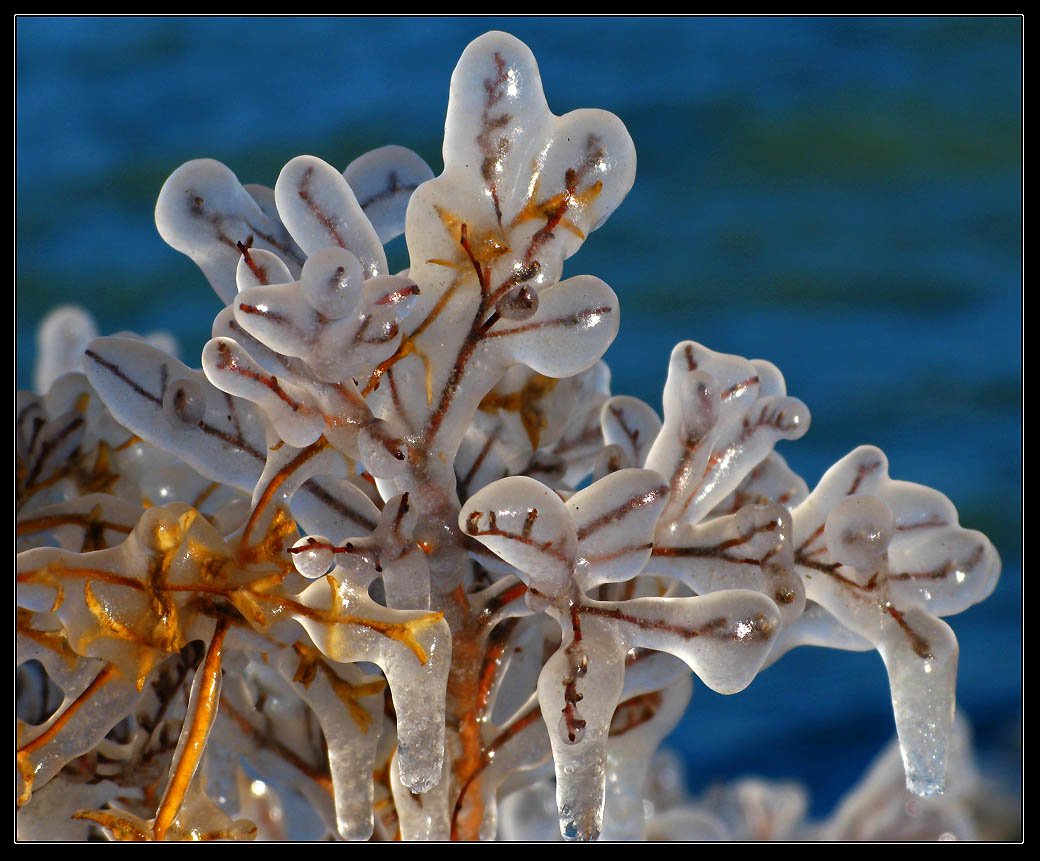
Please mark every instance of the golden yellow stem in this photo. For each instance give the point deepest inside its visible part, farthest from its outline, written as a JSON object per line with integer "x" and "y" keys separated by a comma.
{"x": 195, "y": 743}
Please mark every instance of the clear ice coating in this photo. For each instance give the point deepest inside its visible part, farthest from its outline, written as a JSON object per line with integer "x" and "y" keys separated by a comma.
{"x": 396, "y": 554}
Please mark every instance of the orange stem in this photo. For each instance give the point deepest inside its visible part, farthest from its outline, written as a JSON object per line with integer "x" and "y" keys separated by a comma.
{"x": 195, "y": 744}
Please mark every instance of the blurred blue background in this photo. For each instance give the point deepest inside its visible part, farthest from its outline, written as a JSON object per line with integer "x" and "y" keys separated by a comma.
{"x": 839, "y": 196}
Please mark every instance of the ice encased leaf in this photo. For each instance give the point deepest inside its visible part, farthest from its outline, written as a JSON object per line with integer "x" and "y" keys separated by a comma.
{"x": 319, "y": 210}
{"x": 228, "y": 444}
{"x": 204, "y": 212}
{"x": 383, "y": 181}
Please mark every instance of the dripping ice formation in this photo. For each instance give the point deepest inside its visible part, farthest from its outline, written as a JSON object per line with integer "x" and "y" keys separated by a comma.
{"x": 397, "y": 548}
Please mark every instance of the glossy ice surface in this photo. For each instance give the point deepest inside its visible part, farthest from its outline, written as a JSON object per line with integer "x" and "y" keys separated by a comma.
{"x": 333, "y": 367}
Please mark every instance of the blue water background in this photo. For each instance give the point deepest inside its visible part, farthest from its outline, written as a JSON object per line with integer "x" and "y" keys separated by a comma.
{"x": 839, "y": 196}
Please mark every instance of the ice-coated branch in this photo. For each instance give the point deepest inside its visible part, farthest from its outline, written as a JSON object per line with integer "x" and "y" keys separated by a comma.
{"x": 351, "y": 578}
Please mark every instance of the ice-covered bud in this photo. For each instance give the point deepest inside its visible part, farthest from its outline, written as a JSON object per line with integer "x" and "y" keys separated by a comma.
{"x": 572, "y": 727}
{"x": 184, "y": 402}
{"x": 331, "y": 282}
{"x": 400, "y": 297}
{"x": 520, "y": 303}
{"x": 258, "y": 268}
{"x": 610, "y": 459}
{"x": 699, "y": 400}
{"x": 161, "y": 528}
{"x": 60, "y": 342}
{"x": 858, "y": 532}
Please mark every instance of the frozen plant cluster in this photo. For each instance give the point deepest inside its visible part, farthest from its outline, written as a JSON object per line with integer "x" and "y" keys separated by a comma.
{"x": 396, "y": 554}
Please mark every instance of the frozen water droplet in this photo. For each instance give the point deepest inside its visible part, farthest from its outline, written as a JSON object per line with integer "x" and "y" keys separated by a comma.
{"x": 520, "y": 303}
{"x": 331, "y": 281}
{"x": 312, "y": 556}
{"x": 858, "y": 531}
{"x": 159, "y": 529}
